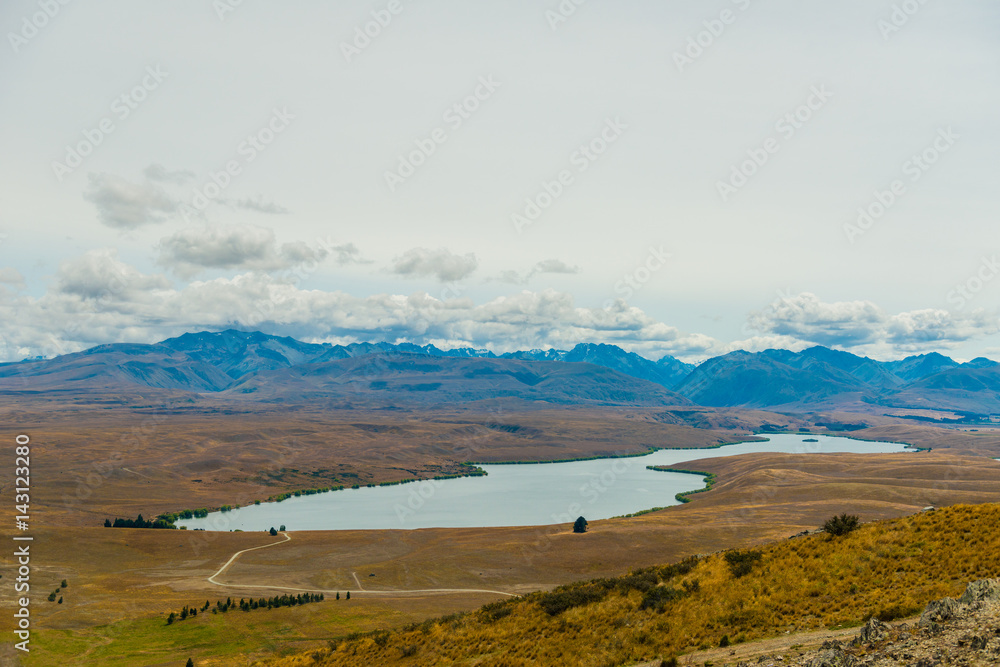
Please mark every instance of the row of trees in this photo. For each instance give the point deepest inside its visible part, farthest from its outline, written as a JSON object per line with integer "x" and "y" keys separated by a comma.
{"x": 249, "y": 605}
{"x": 139, "y": 522}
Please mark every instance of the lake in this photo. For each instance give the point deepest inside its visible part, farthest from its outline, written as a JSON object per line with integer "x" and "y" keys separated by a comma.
{"x": 517, "y": 495}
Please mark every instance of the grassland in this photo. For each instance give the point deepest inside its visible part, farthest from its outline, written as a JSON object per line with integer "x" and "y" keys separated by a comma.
{"x": 888, "y": 569}
{"x": 91, "y": 462}
{"x": 123, "y": 582}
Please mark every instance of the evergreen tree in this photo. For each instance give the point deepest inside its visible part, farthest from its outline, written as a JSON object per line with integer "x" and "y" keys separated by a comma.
{"x": 273, "y": 531}
{"x": 190, "y": 663}
{"x": 107, "y": 523}
{"x": 338, "y": 595}
{"x": 63, "y": 584}
{"x": 170, "y": 619}
{"x": 348, "y": 595}
{"x": 60, "y": 600}
{"x": 580, "y": 526}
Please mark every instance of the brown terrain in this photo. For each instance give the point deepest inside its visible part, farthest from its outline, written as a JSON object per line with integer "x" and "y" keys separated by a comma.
{"x": 92, "y": 461}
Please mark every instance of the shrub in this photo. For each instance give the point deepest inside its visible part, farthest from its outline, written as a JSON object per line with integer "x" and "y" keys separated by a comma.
{"x": 559, "y": 601}
{"x": 741, "y": 561}
{"x": 494, "y": 611}
{"x": 657, "y": 598}
{"x": 642, "y": 581}
{"x": 842, "y": 525}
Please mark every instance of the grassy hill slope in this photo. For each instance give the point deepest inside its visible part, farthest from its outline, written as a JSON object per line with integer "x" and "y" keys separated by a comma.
{"x": 889, "y": 569}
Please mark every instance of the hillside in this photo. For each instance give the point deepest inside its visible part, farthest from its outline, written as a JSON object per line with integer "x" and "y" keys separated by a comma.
{"x": 767, "y": 380}
{"x": 963, "y": 389}
{"x": 252, "y": 366}
{"x": 886, "y": 569}
{"x": 415, "y": 379}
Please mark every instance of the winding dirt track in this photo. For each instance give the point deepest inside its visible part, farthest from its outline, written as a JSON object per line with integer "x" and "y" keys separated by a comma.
{"x": 423, "y": 591}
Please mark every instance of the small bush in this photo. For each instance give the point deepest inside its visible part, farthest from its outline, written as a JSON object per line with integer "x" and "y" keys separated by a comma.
{"x": 657, "y": 598}
{"x": 842, "y": 525}
{"x": 559, "y": 601}
{"x": 494, "y": 611}
{"x": 741, "y": 561}
{"x": 724, "y": 642}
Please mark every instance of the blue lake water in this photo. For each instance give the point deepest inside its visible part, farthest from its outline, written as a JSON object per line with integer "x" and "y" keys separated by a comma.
{"x": 517, "y": 495}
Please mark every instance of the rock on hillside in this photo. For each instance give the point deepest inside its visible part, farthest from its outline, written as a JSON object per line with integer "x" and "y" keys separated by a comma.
{"x": 965, "y": 631}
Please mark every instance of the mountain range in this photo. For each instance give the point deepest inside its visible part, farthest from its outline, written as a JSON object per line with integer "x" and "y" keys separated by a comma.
{"x": 258, "y": 366}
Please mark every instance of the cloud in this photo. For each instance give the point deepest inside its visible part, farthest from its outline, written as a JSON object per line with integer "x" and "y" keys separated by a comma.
{"x": 803, "y": 318}
{"x": 191, "y": 251}
{"x": 544, "y": 266}
{"x": 157, "y": 172}
{"x": 99, "y": 274}
{"x": 260, "y": 206}
{"x": 124, "y": 205}
{"x": 11, "y": 276}
{"x": 441, "y": 264}
{"x": 100, "y": 299}
{"x": 348, "y": 253}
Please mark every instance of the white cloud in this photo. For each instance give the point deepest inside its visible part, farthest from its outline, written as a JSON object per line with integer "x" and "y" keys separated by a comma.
{"x": 100, "y": 299}
{"x": 125, "y": 205}
{"x": 441, "y": 264}
{"x": 11, "y": 276}
{"x": 261, "y": 206}
{"x": 242, "y": 247}
{"x": 160, "y": 174}
{"x": 544, "y": 266}
{"x": 99, "y": 274}
{"x": 862, "y": 325}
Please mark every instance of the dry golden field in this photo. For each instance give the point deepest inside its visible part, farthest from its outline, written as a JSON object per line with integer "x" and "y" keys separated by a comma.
{"x": 89, "y": 463}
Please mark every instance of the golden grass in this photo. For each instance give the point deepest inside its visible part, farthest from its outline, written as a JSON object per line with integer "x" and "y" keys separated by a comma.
{"x": 888, "y": 568}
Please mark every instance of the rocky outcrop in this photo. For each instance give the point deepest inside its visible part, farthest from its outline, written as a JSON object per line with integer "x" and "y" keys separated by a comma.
{"x": 963, "y": 631}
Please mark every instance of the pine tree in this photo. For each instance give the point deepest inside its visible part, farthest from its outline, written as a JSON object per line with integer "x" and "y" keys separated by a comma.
{"x": 348, "y": 595}
{"x": 190, "y": 663}
{"x": 580, "y": 526}
{"x": 107, "y": 523}
{"x": 63, "y": 584}
{"x": 60, "y": 600}
{"x": 338, "y": 595}
{"x": 170, "y": 619}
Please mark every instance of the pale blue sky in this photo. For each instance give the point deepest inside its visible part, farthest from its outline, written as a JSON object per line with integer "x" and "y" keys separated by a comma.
{"x": 437, "y": 258}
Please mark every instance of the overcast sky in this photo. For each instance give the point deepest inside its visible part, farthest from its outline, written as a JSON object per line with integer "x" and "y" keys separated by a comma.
{"x": 673, "y": 177}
